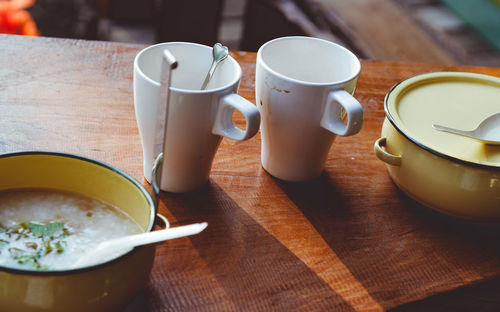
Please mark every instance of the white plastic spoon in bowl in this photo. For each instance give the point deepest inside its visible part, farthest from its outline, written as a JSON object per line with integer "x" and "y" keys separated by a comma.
{"x": 487, "y": 132}
{"x": 113, "y": 247}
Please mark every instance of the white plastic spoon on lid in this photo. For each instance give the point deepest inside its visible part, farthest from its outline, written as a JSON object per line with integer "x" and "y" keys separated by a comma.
{"x": 487, "y": 132}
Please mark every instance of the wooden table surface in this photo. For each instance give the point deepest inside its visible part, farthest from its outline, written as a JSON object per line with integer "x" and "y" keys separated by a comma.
{"x": 349, "y": 240}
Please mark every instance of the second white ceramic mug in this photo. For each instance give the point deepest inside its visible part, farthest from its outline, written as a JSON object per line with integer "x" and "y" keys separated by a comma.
{"x": 197, "y": 119}
{"x": 303, "y": 90}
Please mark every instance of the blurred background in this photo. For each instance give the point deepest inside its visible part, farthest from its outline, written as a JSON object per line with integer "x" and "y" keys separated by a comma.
{"x": 432, "y": 31}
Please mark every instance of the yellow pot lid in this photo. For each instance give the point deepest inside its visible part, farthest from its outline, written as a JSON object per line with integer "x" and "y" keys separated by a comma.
{"x": 452, "y": 99}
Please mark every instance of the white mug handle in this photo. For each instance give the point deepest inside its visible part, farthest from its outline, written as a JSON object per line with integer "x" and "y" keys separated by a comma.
{"x": 332, "y": 116}
{"x": 224, "y": 124}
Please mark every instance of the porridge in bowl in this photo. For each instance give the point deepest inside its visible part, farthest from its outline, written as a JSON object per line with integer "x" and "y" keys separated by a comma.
{"x": 44, "y": 229}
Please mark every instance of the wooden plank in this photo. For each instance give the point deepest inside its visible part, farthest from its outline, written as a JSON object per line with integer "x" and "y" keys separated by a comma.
{"x": 263, "y": 21}
{"x": 189, "y": 20}
{"x": 383, "y": 31}
{"x": 452, "y": 32}
{"x": 483, "y": 15}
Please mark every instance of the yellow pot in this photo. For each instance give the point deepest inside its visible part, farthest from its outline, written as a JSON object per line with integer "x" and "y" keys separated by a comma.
{"x": 103, "y": 287}
{"x": 454, "y": 175}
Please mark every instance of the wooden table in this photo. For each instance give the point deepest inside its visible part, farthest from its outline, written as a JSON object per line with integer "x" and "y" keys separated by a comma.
{"x": 349, "y": 240}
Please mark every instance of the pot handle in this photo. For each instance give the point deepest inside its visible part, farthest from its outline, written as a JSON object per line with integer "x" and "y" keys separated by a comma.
{"x": 385, "y": 156}
{"x": 162, "y": 221}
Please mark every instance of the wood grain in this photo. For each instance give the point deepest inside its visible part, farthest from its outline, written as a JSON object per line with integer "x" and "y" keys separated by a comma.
{"x": 382, "y": 30}
{"x": 349, "y": 240}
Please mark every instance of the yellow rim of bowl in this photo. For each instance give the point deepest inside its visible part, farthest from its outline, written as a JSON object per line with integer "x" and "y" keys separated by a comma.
{"x": 146, "y": 194}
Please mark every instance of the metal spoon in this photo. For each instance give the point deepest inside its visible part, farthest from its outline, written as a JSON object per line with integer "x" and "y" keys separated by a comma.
{"x": 110, "y": 248}
{"x": 219, "y": 53}
{"x": 487, "y": 132}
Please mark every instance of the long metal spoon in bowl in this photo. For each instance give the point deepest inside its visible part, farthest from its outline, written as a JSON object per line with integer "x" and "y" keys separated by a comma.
{"x": 219, "y": 53}
{"x": 114, "y": 247}
{"x": 487, "y": 132}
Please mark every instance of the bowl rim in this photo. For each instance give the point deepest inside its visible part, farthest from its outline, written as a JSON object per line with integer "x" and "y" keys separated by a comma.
{"x": 128, "y": 254}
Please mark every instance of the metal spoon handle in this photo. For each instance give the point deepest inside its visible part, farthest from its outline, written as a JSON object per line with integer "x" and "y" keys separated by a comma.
{"x": 168, "y": 64}
{"x": 209, "y": 75}
{"x": 219, "y": 53}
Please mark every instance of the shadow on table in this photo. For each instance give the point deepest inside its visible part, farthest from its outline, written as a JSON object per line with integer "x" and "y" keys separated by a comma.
{"x": 470, "y": 236}
{"x": 397, "y": 249}
{"x": 482, "y": 297}
{"x": 235, "y": 254}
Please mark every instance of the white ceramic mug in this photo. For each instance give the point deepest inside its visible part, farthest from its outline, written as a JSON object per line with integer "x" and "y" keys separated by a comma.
{"x": 303, "y": 90}
{"x": 197, "y": 119}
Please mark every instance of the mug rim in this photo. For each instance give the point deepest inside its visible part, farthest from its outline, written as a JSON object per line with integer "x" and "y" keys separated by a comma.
{"x": 180, "y": 90}
{"x": 260, "y": 60}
